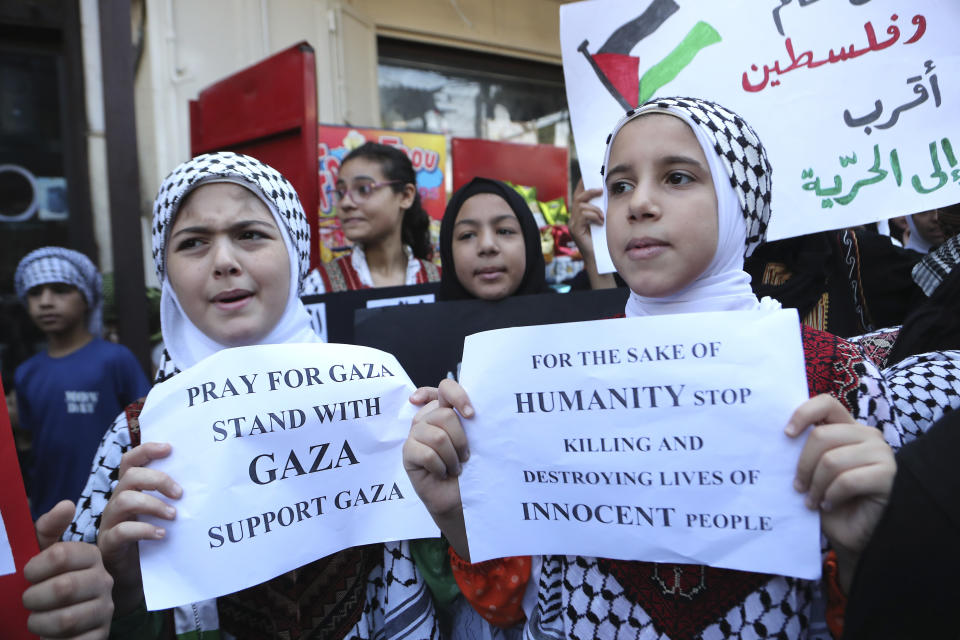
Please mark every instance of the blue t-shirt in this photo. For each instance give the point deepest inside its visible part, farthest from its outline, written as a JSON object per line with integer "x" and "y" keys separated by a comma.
{"x": 67, "y": 404}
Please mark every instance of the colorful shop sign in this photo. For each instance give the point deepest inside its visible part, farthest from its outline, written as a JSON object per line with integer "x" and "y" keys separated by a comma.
{"x": 427, "y": 152}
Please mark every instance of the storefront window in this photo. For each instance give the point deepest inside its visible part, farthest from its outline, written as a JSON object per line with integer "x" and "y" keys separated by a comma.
{"x": 471, "y": 95}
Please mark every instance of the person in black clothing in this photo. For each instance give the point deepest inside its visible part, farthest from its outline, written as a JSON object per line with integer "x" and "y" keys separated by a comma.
{"x": 847, "y": 282}
{"x": 905, "y": 585}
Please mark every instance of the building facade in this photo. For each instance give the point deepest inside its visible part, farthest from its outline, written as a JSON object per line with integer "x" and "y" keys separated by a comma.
{"x": 94, "y": 102}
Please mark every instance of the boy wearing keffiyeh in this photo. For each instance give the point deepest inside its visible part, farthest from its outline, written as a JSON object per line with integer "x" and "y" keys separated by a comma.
{"x": 68, "y": 394}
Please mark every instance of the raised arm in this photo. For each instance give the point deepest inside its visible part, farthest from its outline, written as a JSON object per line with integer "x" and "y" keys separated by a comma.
{"x": 584, "y": 219}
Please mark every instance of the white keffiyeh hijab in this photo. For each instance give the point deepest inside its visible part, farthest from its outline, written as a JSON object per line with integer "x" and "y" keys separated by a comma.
{"x": 58, "y": 265}
{"x": 741, "y": 179}
{"x": 184, "y": 342}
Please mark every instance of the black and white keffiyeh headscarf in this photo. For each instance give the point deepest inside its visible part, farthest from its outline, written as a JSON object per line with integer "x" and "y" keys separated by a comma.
{"x": 741, "y": 175}
{"x": 56, "y": 264}
{"x": 185, "y": 344}
{"x": 934, "y": 267}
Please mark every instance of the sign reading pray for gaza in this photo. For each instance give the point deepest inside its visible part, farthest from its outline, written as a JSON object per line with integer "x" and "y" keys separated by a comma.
{"x": 855, "y": 100}
{"x": 286, "y": 453}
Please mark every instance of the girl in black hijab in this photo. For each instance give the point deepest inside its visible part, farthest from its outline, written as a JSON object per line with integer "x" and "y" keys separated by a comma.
{"x": 486, "y": 252}
{"x": 490, "y": 248}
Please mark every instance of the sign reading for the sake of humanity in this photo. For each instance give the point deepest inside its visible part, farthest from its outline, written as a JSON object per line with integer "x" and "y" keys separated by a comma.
{"x": 286, "y": 454}
{"x": 657, "y": 439}
{"x": 853, "y": 99}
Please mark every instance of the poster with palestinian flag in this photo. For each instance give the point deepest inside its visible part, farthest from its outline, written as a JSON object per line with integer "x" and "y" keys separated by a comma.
{"x": 853, "y": 99}
{"x": 619, "y": 71}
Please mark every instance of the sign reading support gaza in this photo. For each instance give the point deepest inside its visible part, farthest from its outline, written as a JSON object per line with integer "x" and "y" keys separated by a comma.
{"x": 853, "y": 99}
{"x": 286, "y": 454}
{"x": 657, "y": 439}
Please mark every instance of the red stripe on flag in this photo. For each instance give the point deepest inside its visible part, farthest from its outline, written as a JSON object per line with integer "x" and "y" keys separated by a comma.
{"x": 623, "y": 72}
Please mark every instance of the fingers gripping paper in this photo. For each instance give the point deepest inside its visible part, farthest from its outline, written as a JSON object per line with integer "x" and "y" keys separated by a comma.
{"x": 286, "y": 454}
{"x": 657, "y": 439}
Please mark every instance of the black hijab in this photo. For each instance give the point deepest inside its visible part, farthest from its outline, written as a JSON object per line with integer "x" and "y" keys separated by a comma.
{"x": 534, "y": 277}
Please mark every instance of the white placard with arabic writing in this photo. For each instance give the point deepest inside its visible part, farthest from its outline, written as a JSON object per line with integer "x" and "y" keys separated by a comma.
{"x": 286, "y": 454}
{"x": 657, "y": 439}
{"x": 855, "y": 100}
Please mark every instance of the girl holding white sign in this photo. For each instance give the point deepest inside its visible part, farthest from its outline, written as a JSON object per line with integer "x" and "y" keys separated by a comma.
{"x": 231, "y": 246}
{"x": 687, "y": 197}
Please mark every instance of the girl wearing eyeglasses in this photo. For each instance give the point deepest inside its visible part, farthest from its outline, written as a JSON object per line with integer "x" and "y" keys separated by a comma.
{"x": 380, "y": 213}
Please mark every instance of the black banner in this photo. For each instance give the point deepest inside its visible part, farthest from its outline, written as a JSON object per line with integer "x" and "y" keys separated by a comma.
{"x": 332, "y": 313}
{"x": 427, "y": 339}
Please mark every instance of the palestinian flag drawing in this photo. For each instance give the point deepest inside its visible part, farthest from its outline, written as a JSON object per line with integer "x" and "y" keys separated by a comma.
{"x": 620, "y": 72}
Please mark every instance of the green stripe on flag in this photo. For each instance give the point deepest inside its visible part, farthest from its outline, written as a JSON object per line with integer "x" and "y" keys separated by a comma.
{"x": 702, "y": 35}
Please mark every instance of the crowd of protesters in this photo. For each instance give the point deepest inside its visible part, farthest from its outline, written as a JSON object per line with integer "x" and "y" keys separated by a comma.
{"x": 686, "y": 233}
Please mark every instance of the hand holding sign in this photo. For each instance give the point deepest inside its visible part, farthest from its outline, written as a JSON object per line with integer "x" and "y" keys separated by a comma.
{"x": 433, "y": 457}
{"x": 847, "y": 471}
{"x": 120, "y": 529}
{"x": 70, "y": 592}
{"x": 585, "y": 216}
{"x": 423, "y": 395}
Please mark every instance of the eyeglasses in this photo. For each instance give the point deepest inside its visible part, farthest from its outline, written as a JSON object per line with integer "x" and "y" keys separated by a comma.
{"x": 360, "y": 191}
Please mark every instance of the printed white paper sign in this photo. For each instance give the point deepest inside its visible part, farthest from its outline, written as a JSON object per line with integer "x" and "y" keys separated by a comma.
{"x": 852, "y": 98}
{"x": 7, "y": 565}
{"x": 286, "y": 454}
{"x": 657, "y": 439}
